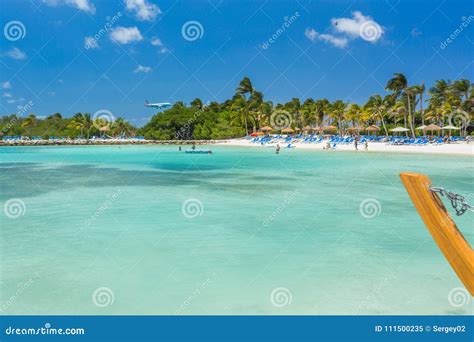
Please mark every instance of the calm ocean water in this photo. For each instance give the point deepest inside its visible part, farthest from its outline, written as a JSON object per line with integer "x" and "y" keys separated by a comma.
{"x": 150, "y": 230}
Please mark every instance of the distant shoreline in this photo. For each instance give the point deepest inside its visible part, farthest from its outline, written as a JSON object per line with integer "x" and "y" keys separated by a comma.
{"x": 459, "y": 149}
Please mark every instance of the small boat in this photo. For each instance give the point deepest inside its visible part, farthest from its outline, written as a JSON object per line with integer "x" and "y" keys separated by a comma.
{"x": 199, "y": 151}
{"x": 441, "y": 226}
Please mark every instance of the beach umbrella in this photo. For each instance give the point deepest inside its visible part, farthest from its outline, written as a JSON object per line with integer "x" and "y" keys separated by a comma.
{"x": 297, "y": 129}
{"x": 451, "y": 127}
{"x": 104, "y": 129}
{"x": 421, "y": 127}
{"x": 432, "y": 127}
{"x": 399, "y": 129}
{"x": 266, "y": 129}
{"x": 253, "y": 134}
{"x": 307, "y": 128}
{"x": 260, "y": 133}
{"x": 287, "y": 130}
{"x": 329, "y": 128}
{"x": 372, "y": 128}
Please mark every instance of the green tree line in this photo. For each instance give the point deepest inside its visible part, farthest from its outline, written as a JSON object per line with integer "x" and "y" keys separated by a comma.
{"x": 409, "y": 105}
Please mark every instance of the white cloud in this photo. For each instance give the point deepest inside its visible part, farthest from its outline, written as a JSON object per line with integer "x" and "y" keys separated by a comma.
{"x": 359, "y": 26}
{"x": 6, "y": 85}
{"x": 313, "y": 35}
{"x": 340, "y": 42}
{"x": 90, "y": 43}
{"x": 7, "y": 95}
{"x": 83, "y": 5}
{"x": 16, "y": 53}
{"x": 125, "y": 35}
{"x": 143, "y": 9}
{"x": 155, "y": 41}
{"x": 51, "y": 93}
{"x": 142, "y": 68}
{"x": 343, "y": 30}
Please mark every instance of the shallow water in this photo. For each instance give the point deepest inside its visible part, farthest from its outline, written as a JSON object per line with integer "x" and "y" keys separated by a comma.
{"x": 150, "y": 230}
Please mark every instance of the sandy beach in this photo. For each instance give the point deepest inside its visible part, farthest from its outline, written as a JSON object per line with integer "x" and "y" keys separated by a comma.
{"x": 461, "y": 148}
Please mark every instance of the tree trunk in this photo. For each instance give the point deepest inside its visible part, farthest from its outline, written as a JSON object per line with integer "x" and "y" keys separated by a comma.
{"x": 410, "y": 116}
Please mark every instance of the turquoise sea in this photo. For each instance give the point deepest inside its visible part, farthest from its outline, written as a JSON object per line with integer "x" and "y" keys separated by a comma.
{"x": 151, "y": 230}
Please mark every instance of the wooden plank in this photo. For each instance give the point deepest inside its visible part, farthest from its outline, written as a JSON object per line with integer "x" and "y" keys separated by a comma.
{"x": 444, "y": 231}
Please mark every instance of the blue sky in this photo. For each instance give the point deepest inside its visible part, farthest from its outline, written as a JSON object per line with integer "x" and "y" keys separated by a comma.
{"x": 54, "y": 54}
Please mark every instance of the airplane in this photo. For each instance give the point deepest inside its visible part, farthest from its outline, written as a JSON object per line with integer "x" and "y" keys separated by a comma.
{"x": 161, "y": 105}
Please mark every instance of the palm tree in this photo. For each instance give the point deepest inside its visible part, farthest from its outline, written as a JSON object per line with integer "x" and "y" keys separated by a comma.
{"x": 398, "y": 84}
{"x": 419, "y": 90}
{"x": 338, "y": 109}
{"x": 379, "y": 107}
{"x": 82, "y": 122}
{"x": 245, "y": 88}
{"x": 197, "y": 103}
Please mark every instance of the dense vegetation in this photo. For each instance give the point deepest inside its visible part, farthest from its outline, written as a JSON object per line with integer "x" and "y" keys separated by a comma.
{"x": 445, "y": 103}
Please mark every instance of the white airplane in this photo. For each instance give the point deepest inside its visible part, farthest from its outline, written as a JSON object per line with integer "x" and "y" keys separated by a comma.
{"x": 161, "y": 105}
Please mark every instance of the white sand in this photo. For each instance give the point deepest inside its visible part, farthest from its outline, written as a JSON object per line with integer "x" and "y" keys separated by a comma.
{"x": 454, "y": 149}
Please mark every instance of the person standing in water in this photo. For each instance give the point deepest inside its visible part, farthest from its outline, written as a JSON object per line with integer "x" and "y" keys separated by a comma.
{"x": 366, "y": 145}
{"x": 278, "y": 149}
{"x": 193, "y": 147}
{"x": 355, "y": 144}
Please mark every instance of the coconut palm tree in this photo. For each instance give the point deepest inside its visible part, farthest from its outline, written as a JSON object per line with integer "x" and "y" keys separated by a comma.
{"x": 398, "y": 84}
{"x": 245, "y": 89}
{"x": 338, "y": 110}
{"x": 380, "y": 108}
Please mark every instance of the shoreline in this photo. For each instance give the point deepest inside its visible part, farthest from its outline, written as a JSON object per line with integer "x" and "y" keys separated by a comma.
{"x": 459, "y": 149}
{"x": 455, "y": 149}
